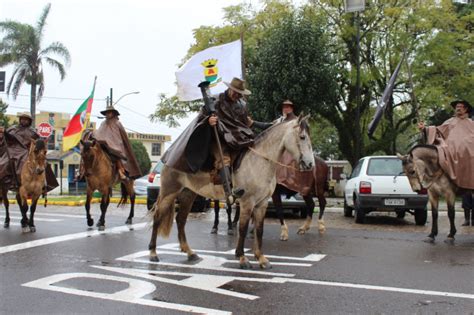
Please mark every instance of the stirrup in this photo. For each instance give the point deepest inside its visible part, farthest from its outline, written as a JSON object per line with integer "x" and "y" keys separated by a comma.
{"x": 236, "y": 194}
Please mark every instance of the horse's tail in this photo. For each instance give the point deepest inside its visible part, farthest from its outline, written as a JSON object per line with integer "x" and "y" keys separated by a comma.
{"x": 124, "y": 198}
{"x": 164, "y": 216}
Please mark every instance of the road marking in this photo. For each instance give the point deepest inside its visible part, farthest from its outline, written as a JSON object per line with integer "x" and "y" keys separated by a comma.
{"x": 36, "y": 219}
{"x": 69, "y": 237}
{"x": 134, "y": 294}
{"x": 52, "y": 214}
{"x": 382, "y": 288}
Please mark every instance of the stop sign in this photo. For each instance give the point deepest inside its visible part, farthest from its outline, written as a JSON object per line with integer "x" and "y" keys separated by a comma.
{"x": 45, "y": 130}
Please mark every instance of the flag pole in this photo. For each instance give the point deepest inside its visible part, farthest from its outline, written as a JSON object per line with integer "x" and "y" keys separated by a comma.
{"x": 242, "y": 58}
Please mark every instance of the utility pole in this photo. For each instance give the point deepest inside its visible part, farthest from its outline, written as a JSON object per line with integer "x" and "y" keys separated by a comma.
{"x": 111, "y": 97}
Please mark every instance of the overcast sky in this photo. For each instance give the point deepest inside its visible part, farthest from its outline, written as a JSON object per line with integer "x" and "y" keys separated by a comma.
{"x": 131, "y": 45}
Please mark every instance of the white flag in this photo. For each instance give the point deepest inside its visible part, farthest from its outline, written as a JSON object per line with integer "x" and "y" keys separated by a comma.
{"x": 216, "y": 64}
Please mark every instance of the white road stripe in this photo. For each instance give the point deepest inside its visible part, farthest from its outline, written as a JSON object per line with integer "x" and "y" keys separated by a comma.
{"x": 36, "y": 219}
{"x": 51, "y": 214}
{"x": 69, "y": 237}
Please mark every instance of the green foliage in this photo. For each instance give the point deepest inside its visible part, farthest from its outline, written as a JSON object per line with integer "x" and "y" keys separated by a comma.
{"x": 142, "y": 156}
{"x": 22, "y": 47}
{"x": 3, "y": 117}
{"x": 325, "y": 139}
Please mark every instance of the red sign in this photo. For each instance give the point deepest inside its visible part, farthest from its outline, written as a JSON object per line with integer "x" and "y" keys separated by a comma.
{"x": 45, "y": 130}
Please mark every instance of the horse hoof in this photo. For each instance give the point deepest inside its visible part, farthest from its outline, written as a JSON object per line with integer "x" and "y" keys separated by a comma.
{"x": 449, "y": 240}
{"x": 193, "y": 257}
{"x": 101, "y": 227}
{"x": 301, "y": 232}
{"x": 245, "y": 265}
{"x": 129, "y": 221}
{"x": 6, "y": 225}
{"x": 90, "y": 222}
{"x": 214, "y": 230}
{"x": 25, "y": 229}
{"x": 429, "y": 240}
{"x": 32, "y": 229}
{"x": 154, "y": 258}
{"x": 266, "y": 265}
{"x": 230, "y": 232}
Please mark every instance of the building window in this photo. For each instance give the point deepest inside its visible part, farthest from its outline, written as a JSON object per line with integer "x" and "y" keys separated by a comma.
{"x": 155, "y": 149}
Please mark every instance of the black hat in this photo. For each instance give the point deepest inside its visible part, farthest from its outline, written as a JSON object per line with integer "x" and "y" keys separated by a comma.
{"x": 286, "y": 102}
{"x": 465, "y": 103}
{"x": 110, "y": 108}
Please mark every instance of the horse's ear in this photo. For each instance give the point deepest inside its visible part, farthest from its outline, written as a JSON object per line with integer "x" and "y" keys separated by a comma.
{"x": 306, "y": 117}
{"x": 93, "y": 142}
{"x": 404, "y": 158}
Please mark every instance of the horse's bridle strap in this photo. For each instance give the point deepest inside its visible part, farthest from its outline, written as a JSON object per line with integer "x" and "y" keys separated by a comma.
{"x": 271, "y": 160}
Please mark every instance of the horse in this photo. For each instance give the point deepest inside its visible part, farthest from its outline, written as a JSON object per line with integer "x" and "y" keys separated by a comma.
{"x": 100, "y": 175}
{"x": 422, "y": 168}
{"x": 32, "y": 179}
{"x": 256, "y": 175}
{"x": 6, "y": 203}
{"x": 319, "y": 185}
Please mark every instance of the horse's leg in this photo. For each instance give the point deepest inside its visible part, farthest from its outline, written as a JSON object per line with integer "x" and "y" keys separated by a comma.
{"x": 31, "y": 223}
{"x": 185, "y": 199}
{"x": 104, "y": 203}
{"x": 258, "y": 218}
{"x": 276, "y": 197}
{"x": 90, "y": 221}
{"x": 23, "y": 204}
{"x": 6, "y": 203}
{"x": 308, "y": 199}
{"x": 236, "y": 215}
{"x": 216, "y": 217}
{"x": 434, "y": 202}
{"x": 450, "y": 199}
{"x": 230, "y": 226}
{"x": 131, "y": 193}
{"x": 243, "y": 227}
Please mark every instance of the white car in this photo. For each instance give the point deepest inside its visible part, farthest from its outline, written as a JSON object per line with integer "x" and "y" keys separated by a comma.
{"x": 140, "y": 185}
{"x": 377, "y": 183}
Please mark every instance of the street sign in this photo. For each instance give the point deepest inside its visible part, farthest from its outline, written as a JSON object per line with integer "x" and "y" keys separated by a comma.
{"x": 45, "y": 130}
{"x": 354, "y": 5}
{"x": 2, "y": 81}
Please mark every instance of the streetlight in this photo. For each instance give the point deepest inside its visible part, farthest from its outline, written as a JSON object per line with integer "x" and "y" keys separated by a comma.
{"x": 111, "y": 102}
{"x": 357, "y": 6}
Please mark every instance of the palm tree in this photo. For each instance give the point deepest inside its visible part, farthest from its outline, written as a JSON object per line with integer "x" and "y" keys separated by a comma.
{"x": 21, "y": 46}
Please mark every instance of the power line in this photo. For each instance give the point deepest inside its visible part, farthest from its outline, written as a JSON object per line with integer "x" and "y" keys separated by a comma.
{"x": 59, "y": 98}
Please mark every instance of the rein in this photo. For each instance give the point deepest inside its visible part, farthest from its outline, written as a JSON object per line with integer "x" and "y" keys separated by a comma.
{"x": 271, "y": 160}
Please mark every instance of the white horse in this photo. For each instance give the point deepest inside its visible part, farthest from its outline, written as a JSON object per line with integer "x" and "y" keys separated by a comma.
{"x": 256, "y": 175}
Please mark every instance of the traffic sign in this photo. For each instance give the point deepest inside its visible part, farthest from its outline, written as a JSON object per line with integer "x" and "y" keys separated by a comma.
{"x": 45, "y": 130}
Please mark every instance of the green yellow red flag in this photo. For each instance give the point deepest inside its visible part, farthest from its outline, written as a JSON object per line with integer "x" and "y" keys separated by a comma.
{"x": 78, "y": 123}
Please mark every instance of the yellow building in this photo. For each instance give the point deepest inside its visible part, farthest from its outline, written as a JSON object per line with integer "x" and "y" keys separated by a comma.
{"x": 154, "y": 144}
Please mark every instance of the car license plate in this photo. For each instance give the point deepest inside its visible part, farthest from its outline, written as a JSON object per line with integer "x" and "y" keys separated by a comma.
{"x": 394, "y": 202}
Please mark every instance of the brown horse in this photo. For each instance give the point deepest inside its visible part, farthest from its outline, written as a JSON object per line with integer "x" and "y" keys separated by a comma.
{"x": 256, "y": 175}
{"x": 422, "y": 168}
{"x": 100, "y": 175}
{"x": 33, "y": 181}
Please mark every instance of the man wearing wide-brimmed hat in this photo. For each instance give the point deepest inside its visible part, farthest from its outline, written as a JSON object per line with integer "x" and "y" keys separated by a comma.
{"x": 454, "y": 140}
{"x": 19, "y": 139}
{"x": 112, "y": 136}
{"x": 196, "y": 149}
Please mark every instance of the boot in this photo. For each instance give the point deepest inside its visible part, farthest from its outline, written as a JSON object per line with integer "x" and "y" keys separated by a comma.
{"x": 120, "y": 169}
{"x": 231, "y": 195}
{"x": 467, "y": 213}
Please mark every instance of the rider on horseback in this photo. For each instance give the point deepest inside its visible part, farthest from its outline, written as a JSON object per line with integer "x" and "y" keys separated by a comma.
{"x": 18, "y": 140}
{"x": 114, "y": 140}
{"x": 191, "y": 151}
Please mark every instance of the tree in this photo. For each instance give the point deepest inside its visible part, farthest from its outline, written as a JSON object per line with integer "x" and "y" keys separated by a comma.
{"x": 22, "y": 47}
{"x": 3, "y": 117}
{"x": 141, "y": 154}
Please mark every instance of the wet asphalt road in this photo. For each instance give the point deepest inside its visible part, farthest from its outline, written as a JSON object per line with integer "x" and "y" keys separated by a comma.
{"x": 380, "y": 267}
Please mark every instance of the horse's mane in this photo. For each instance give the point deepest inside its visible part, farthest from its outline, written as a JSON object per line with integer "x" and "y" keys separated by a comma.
{"x": 264, "y": 134}
{"x": 40, "y": 145}
{"x": 418, "y": 146}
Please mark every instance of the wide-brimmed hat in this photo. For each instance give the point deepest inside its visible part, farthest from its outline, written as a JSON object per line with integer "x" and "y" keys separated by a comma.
{"x": 466, "y": 104}
{"x": 286, "y": 102}
{"x": 25, "y": 115}
{"x": 238, "y": 86}
{"x": 110, "y": 108}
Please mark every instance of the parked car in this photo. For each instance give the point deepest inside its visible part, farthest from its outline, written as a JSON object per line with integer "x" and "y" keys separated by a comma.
{"x": 377, "y": 183}
{"x": 140, "y": 185}
{"x": 153, "y": 189}
{"x": 295, "y": 204}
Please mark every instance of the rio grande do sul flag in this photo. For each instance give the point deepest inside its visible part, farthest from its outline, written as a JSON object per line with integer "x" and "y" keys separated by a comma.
{"x": 216, "y": 64}
{"x": 78, "y": 123}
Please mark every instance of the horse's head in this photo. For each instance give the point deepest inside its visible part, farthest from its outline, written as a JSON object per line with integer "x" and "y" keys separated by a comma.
{"x": 421, "y": 167}
{"x": 37, "y": 156}
{"x": 88, "y": 151}
{"x": 410, "y": 171}
{"x": 298, "y": 143}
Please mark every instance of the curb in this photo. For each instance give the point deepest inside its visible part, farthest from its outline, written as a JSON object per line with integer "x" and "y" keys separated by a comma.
{"x": 78, "y": 203}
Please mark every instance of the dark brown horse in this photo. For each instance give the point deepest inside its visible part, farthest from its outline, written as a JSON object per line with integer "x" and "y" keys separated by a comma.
{"x": 32, "y": 185}
{"x": 422, "y": 168}
{"x": 100, "y": 175}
